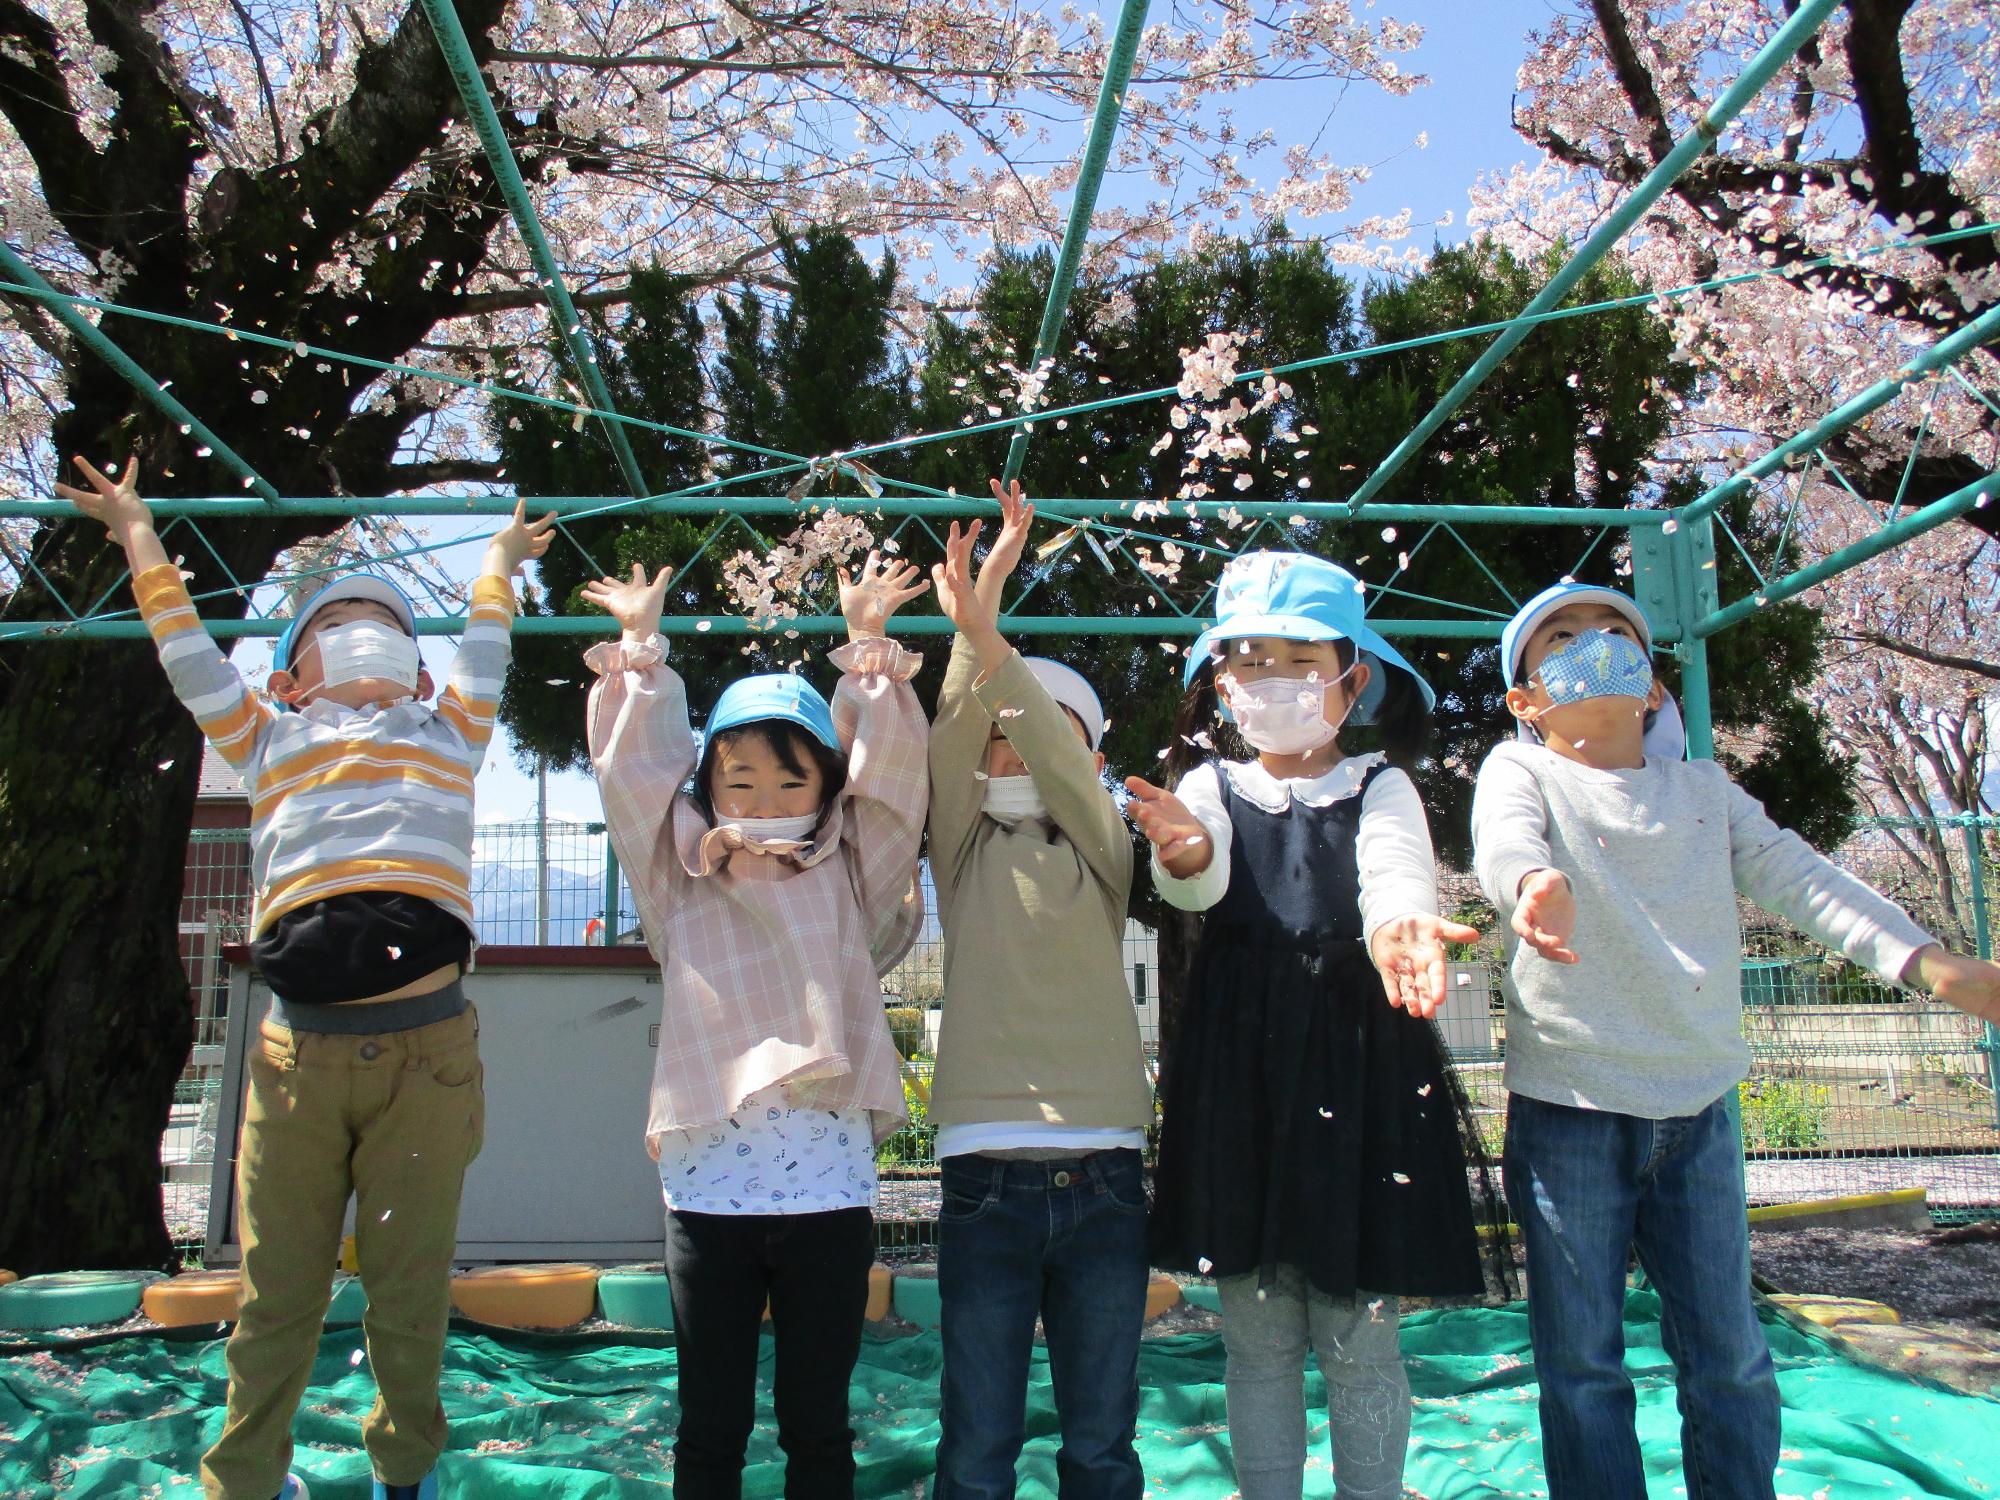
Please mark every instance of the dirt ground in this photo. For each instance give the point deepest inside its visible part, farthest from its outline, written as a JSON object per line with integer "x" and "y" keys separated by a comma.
{"x": 1944, "y": 1283}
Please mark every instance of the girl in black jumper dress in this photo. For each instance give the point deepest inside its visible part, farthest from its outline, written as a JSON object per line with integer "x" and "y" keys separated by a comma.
{"x": 1314, "y": 1146}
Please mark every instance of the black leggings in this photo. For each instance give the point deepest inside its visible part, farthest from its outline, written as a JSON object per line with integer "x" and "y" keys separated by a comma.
{"x": 814, "y": 1269}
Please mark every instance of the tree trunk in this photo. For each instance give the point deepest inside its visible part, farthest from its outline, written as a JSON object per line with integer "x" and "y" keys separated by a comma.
{"x": 98, "y": 767}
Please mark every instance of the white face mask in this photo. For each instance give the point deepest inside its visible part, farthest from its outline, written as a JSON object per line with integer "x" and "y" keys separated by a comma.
{"x": 1283, "y": 715}
{"x": 775, "y": 830}
{"x": 367, "y": 649}
{"x": 1010, "y": 799}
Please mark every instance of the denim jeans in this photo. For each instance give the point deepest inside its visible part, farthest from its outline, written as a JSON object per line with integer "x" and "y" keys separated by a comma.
{"x": 1587, "y": 1187}
{"x": 1065, "y": 1239}
{"x": 814, "y": 1269}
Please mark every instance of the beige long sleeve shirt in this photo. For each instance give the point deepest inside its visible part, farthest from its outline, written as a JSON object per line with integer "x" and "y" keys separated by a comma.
{"x": 1038, "y": 1023}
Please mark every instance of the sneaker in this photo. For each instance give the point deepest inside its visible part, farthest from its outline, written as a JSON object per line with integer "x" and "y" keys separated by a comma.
{"x": 295, "y": 1489}
{"x": 424, "y": 1489}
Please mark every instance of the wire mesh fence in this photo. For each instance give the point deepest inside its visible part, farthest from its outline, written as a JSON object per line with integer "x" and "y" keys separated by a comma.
{"x": 1853, "y": 1087}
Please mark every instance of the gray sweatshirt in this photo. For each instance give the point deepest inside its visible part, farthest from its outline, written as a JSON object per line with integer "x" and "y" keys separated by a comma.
{"x": 1649, "y": 1022}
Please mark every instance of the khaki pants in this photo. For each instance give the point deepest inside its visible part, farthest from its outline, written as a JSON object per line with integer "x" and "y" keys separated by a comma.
{"x": 392, "y": 1120}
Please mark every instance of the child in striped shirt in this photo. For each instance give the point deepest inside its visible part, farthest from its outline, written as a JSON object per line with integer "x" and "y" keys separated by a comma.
{"x": 365, "y": 1078}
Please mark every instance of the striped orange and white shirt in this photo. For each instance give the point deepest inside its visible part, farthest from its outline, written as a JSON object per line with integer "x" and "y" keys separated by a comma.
{"x": 345, "y": 800}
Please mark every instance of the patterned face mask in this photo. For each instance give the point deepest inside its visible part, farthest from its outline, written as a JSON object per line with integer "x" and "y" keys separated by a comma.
{"x": 1596, "y": 664}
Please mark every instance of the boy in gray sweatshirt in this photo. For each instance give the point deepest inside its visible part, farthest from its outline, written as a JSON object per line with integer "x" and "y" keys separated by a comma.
{"x": 1617, "y": 865}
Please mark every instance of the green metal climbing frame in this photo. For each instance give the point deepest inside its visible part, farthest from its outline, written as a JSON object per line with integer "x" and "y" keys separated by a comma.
{"x": 1673, "y": 551}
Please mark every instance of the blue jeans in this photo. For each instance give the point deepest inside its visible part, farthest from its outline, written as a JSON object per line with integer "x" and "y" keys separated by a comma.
{"x": 1065, "y": 1239}
{"x": 1587, "y": 1187}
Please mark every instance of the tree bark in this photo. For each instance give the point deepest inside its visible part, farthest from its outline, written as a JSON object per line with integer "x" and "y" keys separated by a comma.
{"x": 98, "y": 762}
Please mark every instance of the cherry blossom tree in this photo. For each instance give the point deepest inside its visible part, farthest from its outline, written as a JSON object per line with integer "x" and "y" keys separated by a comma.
{"x": 1884, "y": 129}
{"x": 307, "y": 173}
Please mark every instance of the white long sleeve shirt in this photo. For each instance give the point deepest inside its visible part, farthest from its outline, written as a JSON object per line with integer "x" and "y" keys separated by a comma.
{"x": 1649, "y": 1021}
{"x": 1392, "y": 844}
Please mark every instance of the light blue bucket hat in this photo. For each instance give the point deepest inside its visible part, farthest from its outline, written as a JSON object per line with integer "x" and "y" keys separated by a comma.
{"x": 1297, "y": 597}
{"x": 774, "y": 695}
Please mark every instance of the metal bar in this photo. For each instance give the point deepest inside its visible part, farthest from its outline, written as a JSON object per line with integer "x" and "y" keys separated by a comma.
{"x": 485, "y": 121}
{"x": 1771, "y": 57}
{"x": 731, "y": 626}
{"x": 1944, "y": 352}
{"x": 1741, "y": 550}
{"x": 1910, "y": 463}
{"x": 793, "y": 463}
{"x": 1696, "y": 714}
{"x": 1982, "y": 937}
{"x": 1103, "y": 130}
{"x": 128, "y": 369}
{"x": 1916, "y": 523}
{"x": 1115, "y": 512}
{"x": 1791, "y": 511}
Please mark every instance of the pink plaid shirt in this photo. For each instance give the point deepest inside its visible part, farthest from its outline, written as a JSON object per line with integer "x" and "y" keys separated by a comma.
{"x": 770, "y": 963}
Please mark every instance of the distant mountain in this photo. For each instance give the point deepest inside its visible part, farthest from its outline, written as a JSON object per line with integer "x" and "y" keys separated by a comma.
{"x": 503, "y": 900}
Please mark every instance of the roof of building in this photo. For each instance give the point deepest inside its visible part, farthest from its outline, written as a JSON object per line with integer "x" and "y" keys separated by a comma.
{"x": 219, "y": 783}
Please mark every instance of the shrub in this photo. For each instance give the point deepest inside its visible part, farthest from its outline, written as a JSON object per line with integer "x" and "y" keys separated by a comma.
{"x": 906, "y": 1025}
{"x": 1784, "y": 1114}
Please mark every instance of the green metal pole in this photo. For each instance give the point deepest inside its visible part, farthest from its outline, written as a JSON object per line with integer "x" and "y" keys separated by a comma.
{"x": 610, "y": 892}
{"x": 1956, "y": 504}
{"x": 1696, "y": 711}
{"x": 1113, "y": 514}
{"x": 1982, "y": 938}
{"x": 93, "y": 338}
{"x": 1696, "y": 143}
{"x": 1103, "y": 130}
{"x": 485, "y": 121}
{"x": 1944, "y": 352}
{"x": 1162, "y": 627}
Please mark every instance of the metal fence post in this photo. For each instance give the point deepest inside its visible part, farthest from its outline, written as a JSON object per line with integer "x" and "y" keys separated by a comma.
{"x": 1982, "y": 937}
{"x": 610, "y": 891}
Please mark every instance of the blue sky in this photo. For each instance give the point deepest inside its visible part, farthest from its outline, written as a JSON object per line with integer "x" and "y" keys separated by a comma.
{"x": 1471, "y": 51}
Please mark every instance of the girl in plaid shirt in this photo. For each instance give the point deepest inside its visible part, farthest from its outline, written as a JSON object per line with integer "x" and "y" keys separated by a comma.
{"x": 774, "y": 891}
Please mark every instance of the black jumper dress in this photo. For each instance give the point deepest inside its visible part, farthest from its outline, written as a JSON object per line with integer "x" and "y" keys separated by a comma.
{"x": 1306, "y": 1120}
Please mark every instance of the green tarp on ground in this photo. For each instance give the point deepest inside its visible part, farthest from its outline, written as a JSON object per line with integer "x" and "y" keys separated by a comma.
{"x": 591, "y": 1418}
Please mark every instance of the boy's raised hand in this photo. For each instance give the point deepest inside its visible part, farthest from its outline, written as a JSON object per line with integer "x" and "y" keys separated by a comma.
{"x": 1545, "y": 915}
{"x": 1016, "y": 516}
{"x": 960, "y": 599}
{"x": 1179, "y": 841}
{"x": 877, "y": 592}
{"x": 116, "y": 505}
{"x": 635, "y": 604}
{"x": 1971, "y": 984}
{"x": 518, "y": 541}
{"x": 1409, "y": 955}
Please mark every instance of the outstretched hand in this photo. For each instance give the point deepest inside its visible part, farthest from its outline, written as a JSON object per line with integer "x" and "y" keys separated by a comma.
{"x": 1409, "y": 955}
{"x": 114, "y": 504}
{"x": 880, "y": 589}
{"x": 1016, "y": 516}
{"x": 1179, "y": 841}
{"x": 1971, "y": 984}
{"x": 1545, "y": 915}
{"x": 518, "y": 541}
{"x": 960, "y": 599}
{"x": 635, "y": 603}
